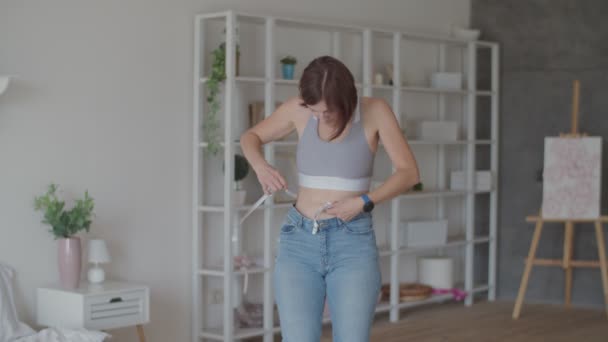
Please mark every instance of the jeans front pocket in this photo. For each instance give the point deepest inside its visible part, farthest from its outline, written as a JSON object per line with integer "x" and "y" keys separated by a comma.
{"x": 360, "y": 224}
{"x": 288, "y": 227}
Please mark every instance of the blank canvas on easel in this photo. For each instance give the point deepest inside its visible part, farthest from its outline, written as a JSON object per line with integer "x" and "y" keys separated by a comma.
{"x": 572, "y": 177}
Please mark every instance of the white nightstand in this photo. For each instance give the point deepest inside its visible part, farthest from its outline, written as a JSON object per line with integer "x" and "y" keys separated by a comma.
{"x": 109, "y": 305}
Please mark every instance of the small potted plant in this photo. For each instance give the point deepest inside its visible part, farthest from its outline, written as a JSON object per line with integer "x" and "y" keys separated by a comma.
{"x": 65, "y": 224}
{"x": 288, "y": 65}
{"x": 241, "y": 169}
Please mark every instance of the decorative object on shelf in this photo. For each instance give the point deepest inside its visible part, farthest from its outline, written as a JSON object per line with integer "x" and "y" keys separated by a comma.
{"x": 447, "y": 80}
{"x": 389, "y": 74}
{"x": 98, "y": 254}
{"x": 438, "y": 130}
{"x": 425, "y": 233}
{"x": 389, "y": 69}
{"x": 465, "y": 33}
{"x": 243, "y": 263}
{"x": 418, "y": 187}
{"x": 241, "y": 169}
{"x": 378, "y": 78}
{"x": 4, "y": 82}
{"x": 65, "y": 224}
{"x": 457, "y": 293}
{"x": 483, "y": 180}
{"x": 408, "y": 292}
{"x": 217, "y": 75}
{"x": 437, "y": 272}
{"x": 288, "y": 64}
{"x": 251, "y": 315}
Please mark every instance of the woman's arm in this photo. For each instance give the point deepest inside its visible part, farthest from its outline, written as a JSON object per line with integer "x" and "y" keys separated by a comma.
{"x": 276, "y": 126}
{"x": 406, "y": 173}
{"x": 406, "y": 170}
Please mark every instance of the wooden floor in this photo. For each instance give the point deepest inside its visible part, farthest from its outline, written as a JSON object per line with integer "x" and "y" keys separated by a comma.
{"x": 489, "y": 322}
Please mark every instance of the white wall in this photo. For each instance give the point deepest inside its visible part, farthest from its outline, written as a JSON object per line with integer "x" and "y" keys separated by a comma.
{"x": 103, "y": 102}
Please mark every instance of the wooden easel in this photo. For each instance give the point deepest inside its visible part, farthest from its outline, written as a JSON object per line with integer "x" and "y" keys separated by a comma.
{"x": 566, "y": 262}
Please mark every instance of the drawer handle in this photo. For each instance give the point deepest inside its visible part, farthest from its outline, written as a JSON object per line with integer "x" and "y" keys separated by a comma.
{"x": 115, "y": 300}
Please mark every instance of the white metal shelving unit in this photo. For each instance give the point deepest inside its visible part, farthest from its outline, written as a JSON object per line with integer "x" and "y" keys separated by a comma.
{"x": 469, "y": 96}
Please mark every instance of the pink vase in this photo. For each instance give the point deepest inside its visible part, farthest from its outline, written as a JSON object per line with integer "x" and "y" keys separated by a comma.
{"x": 69, "y": 260}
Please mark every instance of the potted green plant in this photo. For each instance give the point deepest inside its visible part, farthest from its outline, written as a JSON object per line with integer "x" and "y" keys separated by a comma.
{"x": 217, "y": 75}
{"x": 241, "y": 169}
{"x": 288, "y": 65}
{"x": 65, "y": 224}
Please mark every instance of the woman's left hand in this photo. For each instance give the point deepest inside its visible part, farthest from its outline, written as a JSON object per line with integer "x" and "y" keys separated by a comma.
{"x": 346, "y": 209}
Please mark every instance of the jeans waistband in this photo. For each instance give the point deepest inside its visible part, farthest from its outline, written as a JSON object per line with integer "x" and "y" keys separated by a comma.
{"x": 297, "y": 218}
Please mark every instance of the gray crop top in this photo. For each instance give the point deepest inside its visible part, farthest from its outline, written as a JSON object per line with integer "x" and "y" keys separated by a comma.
{"x": 343, "y": 165}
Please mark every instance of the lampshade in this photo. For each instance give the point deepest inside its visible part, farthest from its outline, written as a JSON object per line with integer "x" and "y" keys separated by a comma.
{"x": 98, "y": 251}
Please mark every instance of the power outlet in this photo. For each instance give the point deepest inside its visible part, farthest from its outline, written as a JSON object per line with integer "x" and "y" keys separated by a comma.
{"x": 217, "y": 296}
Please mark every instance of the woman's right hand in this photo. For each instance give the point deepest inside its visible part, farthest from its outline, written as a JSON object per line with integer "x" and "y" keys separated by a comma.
{"x": 270, "y": 179}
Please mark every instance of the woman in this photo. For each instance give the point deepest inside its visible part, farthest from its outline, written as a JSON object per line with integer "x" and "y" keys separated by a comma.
{"x": 327, "y": 244}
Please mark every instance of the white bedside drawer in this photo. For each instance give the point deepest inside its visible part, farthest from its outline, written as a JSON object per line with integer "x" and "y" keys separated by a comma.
{"x": 113, "y": 310}
{"x": 109, "y": 305}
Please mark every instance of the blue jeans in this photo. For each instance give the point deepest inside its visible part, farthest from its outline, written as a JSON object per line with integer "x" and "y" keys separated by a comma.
{"x": 341, "y": 260}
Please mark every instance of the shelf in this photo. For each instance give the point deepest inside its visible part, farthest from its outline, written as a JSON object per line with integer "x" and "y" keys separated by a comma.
{"x": 440, "y": 193}
{"x": 240, "y": 333}
{"x": 432, "y": 193}
{"x": 269, "y": 85}
{"x": 432, "y": 90}
{"x": 383, "y": 306}
{"x": 277, "y": 143}
{"x": 437, "y": 298}
{"x": 455, "y": 241}
{"x": 413, "y": 89}
{"x": 445, "y": 142}
{"x": 339, "y": 27}
{"x": 219, "y": 271}
{"x": 293, "y": 143}
{"x": 221, "y": 208}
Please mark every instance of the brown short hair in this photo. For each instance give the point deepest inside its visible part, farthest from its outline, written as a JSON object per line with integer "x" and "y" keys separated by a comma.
{"x": 327, "y": 78}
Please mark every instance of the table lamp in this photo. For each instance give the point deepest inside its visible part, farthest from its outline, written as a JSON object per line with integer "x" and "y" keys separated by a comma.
{"x": 98, "y": 254}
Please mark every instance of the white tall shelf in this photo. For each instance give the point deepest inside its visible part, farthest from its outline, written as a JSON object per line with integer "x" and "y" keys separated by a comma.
{"x": 393, "y": 252}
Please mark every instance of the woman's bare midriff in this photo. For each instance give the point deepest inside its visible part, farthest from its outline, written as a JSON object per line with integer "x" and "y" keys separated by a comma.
{"x": 310, "y": 200}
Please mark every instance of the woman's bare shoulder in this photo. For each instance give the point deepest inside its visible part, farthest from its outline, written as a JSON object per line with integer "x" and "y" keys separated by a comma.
{"x": 292, "y": 107}
{"x": 375, "y": 109}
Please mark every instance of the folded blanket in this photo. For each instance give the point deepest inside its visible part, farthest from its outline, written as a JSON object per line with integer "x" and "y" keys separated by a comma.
{"x": 10, "y": 326}
{"x": 64, "y": 335}
{"x": 13, "y": 330}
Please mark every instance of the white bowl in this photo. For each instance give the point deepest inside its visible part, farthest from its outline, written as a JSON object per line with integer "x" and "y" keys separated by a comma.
{"x": 465, "y": 34}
